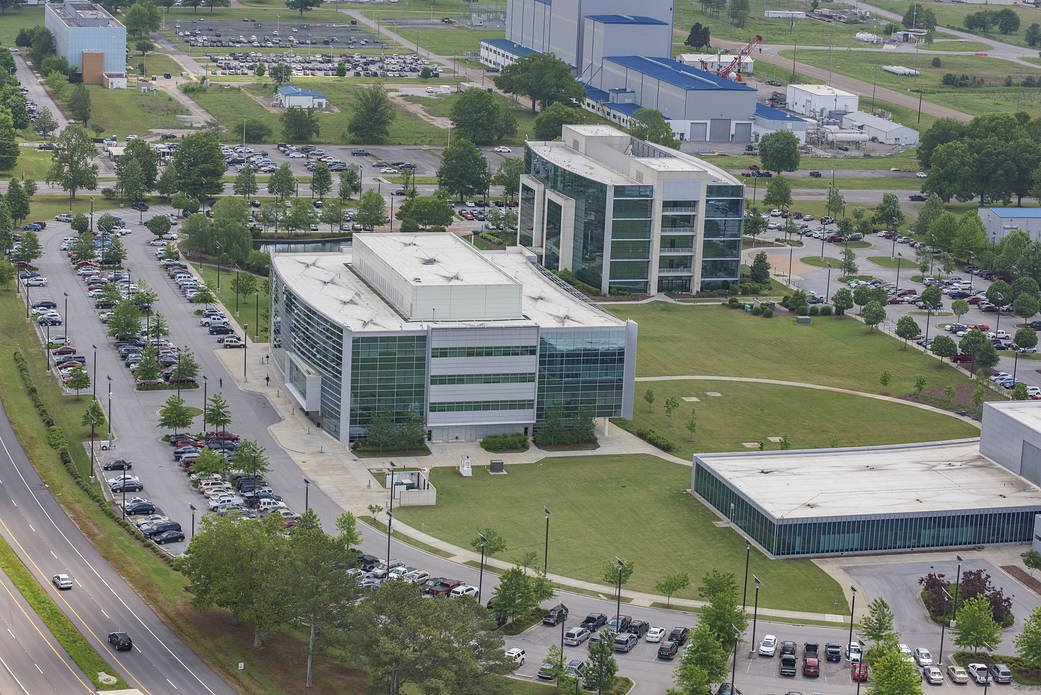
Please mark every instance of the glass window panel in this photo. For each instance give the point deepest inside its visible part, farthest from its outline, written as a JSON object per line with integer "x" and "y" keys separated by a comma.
{"x": 630, "y": 249}
{"x": 631, "y": 229}
{"x": 632, "y": 209}
{"x": 629, "y": 270}
{"x": 716, "y": 248}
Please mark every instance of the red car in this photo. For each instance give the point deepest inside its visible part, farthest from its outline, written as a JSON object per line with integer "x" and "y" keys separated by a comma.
{"x": 445, "y": 587}
{"x": 184, "y": 440}
{"x": 811, "y": 667}
{"x": 960, "y": 358}
{"x": 227, "y": 436}
{"x": 975, "y": 300}
{"x": 897, "y": 300}
{"x": 64, "y": 350}
{"x": 980, "y": 327}
{"x": 860, "y": 672}
{"x": 907, "y": 292}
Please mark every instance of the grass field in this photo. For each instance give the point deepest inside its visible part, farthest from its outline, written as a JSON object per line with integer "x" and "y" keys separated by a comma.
{"x": 32, "y": 164}
{"x": 908, "y": 264}
{"x": 866, "y": 65}
{"x": 15, "y": 19}
{"x": 230, "y": 105}
{"x": 748, "y": 412}
{"x": 124, "y": 111}
{"x": 821, "y": 263}
{"x": 904, "y": 160}
{"x": 247, "y": 308}
{"x": 184, "y": 15}
{"x": 441, "y": 105}
{"x": 773, "y": 30}
{"x": 155, "y": 64}
{"x": 675, "y": 532}
{"x": 694, "y": 341}
{"x": 958, "y": 46}
{"x": 867, "y": 183}
{"x": 953, "y": 15}
{"x": 45, "y": 207}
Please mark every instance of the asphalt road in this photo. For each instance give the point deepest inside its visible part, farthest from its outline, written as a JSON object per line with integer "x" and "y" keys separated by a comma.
{"x": 37, "y": 93}
{"x": 47, "y": 541}
{"x": 32, "y": 661}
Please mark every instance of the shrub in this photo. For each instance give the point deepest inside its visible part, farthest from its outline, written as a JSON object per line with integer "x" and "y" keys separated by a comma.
{"x": 505, "y": 442}
{"x": 655, "y": 439}
{"x": 802, "y": 311}
{"x": 109, "y": 193}
{"x": 825, "y": 310}
{"x": 768, "y": 313}
{"x": 733, "y": 302}
{"x": 814, "y": 310}
{"x": 936, "y": 62}
{"x": 757, "y": 310}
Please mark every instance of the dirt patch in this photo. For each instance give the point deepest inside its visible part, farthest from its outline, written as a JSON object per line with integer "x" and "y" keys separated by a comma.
{"x": 1021, "y": 576}
{"x": 935, "y": 396}
{"x": 418, "y": 110}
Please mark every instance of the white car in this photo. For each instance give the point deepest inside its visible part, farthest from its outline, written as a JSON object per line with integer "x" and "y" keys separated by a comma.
{"x": 157, "y": 242}
{"x": 62, "y": 581}
{"x": 905, "y": 652}
{"x": 297, "y": 155}
{"x": 464, "y": 590}
{"x": 768, "y": 647}
{"x": 388, "y": 170}
{"x": 37, "y": 281}
{"x": 576, "y": 636}
{"x": 979, "y": 673}
{"x": 503, "y": 149}
{"x": 656, "y": 634}
{"x": 921, "y": 175}
{"x": 517, "y": 655}
{"x": 933, "y": 675}
{"x": 923, "y": 657}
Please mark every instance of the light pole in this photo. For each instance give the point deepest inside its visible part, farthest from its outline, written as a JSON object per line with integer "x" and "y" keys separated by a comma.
{"x": 256, "y": 325}
{"x": 66, "y": 316}
{"x": 205, "y": 384}
{"x": 791, "y": 250}
{"x": 245, "y": 336}
{"x": 827, "y": 287}
{"x": 755, "y": 613}
{"x": 220, "y": 254}
{"x": 109, "y": 413}
{"x": 92, "y": 422}
{"x": 733, "y": 672}
{"x": 957, "y": 583}
{"x": 177, "y": 374}
{"x": 545, "y": 556}
{"x": 852, "y": 606}
{"x": 480, "y": 577}
{"x": 307, "y": 493}
{"x": 94, "y": 376}
{"x": 943, "y": 625}
{"x": 618, "y": 598}
{"x": 899, "y": 257}
{"x": 390, "y": 512}
{"x": 192, "y": 507}
{"x": 987, "y": 679}
{"x": 92, "y": 214}
{"x": 748, "y": 554}
{"x": 236, "y": 292}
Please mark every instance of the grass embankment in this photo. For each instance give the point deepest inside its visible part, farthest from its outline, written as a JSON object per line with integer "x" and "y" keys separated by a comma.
{"x": 74, "y": 644}
{"x": 953, "y": 15}
{"x": 750, "y": 412}
{"x": 123, "y": 111}
{"x": 831, "y": 351}
{"x": 675, "y": 531}
{"x": 249, "y": 308}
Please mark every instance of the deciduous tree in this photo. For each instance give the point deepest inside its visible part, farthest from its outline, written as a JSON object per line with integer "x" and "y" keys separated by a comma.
{"x": 650, "y": 125}
{"x": 174, "y": 415}
{"x": 479, "y": 117}
{"x": 300, "y": 124}
{"x": 873, "y": 314}
{"x": 371, "y": 115}
{"x": 72, "y": 167}
{"x": 976, "y": 626}
{"x": 372, "y": 209}
{"x": 723, "y": 612}
{"x": 779, "y": 151}
{"x": 1028, "y": 641}
{"x": 907, "y": 328}
{"x": 670, "y": 584}
{"x": 463, "y": 170}
{"x": 543, "y": 78}
{"x": 200, "y": 166}
{"x": 778, "y": 193}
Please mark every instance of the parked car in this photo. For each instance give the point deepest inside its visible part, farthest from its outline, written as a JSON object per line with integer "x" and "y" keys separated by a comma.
{"x": 679, "y": 635}
{"x": 923, "y": 657}
{"x": 594, "y": 621}
{"x": 655, "y": 634}
{"x": 832, "y": 652}
{"x": 979, "y": 673}
{"x": 859, "y": 672}
{"x": 576, "y": 636}
{"x": 1000, "y": 673}
{"x": 788, "y": 665}
{"x": 933, "y": 675}
{"x": 957, "y": 674}
{"x": 517, "y": 655}
{"x": 811, "y": 667}
{"x": 556, "y": 615}
{"x": 768, "y": 647}
{"x": 625, "y": 642}
{"x": 117, "y": 465}
{"x": 668, "y": 650}
{"x": 169, "y": 536}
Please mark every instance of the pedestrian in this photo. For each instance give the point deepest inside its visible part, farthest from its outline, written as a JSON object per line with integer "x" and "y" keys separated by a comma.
{"x": 267, "y": 380}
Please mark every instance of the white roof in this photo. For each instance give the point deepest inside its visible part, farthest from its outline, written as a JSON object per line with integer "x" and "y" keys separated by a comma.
{"x": 1026, "y": 412}
{"x": 435, "y": 259}
{"x": 327, "y": 283}
{"x": 902, "y": 479}
{"x": 822, "y": 90}
{"x": 870, "y": 120}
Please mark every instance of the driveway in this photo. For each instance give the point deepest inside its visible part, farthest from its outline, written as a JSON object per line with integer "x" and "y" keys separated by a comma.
{"x": 31, "y": 81}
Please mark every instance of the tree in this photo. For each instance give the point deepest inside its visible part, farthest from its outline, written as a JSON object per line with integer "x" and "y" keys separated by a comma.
{"x": 371, "y": 115}
{"x": 17, "y": 202}
{"x": 512, "y": 597}
{"x": 280, "y": 74}
{"x": 218, "y": 413}
{"x": 754, "y": 223}
{"x": 321, "y": 180}
{"x": 166, "y": 185}
{"x": 842, "y": 300}
{"x": 125, "y": 321}
{"x": 671, "y": 403}
{"x": 79, "y": 104}
{"x": 932, "y": 298}
{"x": 1008, "y": 21}
{"x": 130, "y": 180}
{"x": 78, "y": 380}
{"x": 849, "y": 265}
{"x": 878, "y": 623}
{"x": 349, "y": 183}
{"x": 601, "y": 666}
{"x": 1028, "y": 641}
{"x": 1019, "y": 392}
{"x": 477, "y": 116}
{"x": 463, "y": 170}
{"x": 650, "y": 125}
{"x": 550, "y": 120}
{"x": 907, "y": 328}
{"x": 976, "y": 626}
{"x": 251, "y": 457}
{"x": 1032, "y": 36}
{"x": 6, "y": 273}
{"x": 231, "y": 228}
{"x": 760, "y": 270}
{"x": 874, "y": 313}
{"x": 372, "y": 210}
{"x": 203, "y": 295}
{"x": 959, "y": 307}
{"x": 543, "y": 78}
{"x": 508, "y": 176}
{"x": 723, "y": 612}
{"x": 174, "y": 415}
{"x": 884, "y": 378}
{"x": 71, "y": 165}
{"x": 9, "y": 149}
{"x": 158, "y": 225}
{"x": 1025, "y": 338}
{"x": 892, "y": 674}
{"x": 145, "y": 156}
{"x": 918, "y": 16}
{"x": 186, "y": 367}
{"x": 999, "y": 293}
{"x": 835, "y": 202}
{"x": 282, "y": 183}
{"x": 888, "y": 212}
{"x": 978, "y": 347}
{"x": 778, "y": 193}
{"x": 691, "y": 424}
{"x": 739, "y": 12}
{"x": 300, "y": 124}
{"x": 426, "y": 212}
{"x": 30, "y": 248}
{"x": 704, "y": 662}
{"x": 142, "y": 18}
{"x": 200, "y": 166}
{"x": 672, "y": 583}
{"x": 928, "y": 213}
{"x": 302, "y": 6}
{"x": 302, "y": 214}
{"x": 699, "y": 37}
{"x": 779, "y": 151}
{"x": 254, "y": 130}
{"x": 648, "y": 396}
{"x": 613, "y": 573}
{"x": 44, "y": 124}
{"x": 144, "y": 46}
{"x": 1025, "y": 306}
{"x": 93, "y": 412}
{"x": 113, "y": 253}
{"x": 493, "y": 542}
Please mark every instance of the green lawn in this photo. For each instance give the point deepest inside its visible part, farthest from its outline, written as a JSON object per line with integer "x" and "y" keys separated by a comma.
{"x": 908, "y": 264}
{"x": 248, "y": 309}
{"x": 15, "y": 19}
{"x": 45, "y": 207}
{"x": 905, "y": 161}
{"x": 867, "y": 65}
{"x": 675, "y": 532}
{"x": 713, "y": 340}
{"x": 821, "y": 263}
{"x": 958, "y": 46}
{"x": 32, "y": 164}
{"x": 124, "y": 111}
{"x": 452, "y": 41}
{"x": 184, "y": 16}
{"x": 748, "y": 412}
{"x": 155, "y": 64}
{"x": 864, "y": 183}
{"x": 441, "y": 105}
{"x": 953, "y": 15}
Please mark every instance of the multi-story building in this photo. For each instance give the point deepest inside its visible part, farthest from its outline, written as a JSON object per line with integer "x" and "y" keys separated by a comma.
{"x": 90, "y": 39}
{"x": 625, "y": 214}
{"x": 475, "y": 342}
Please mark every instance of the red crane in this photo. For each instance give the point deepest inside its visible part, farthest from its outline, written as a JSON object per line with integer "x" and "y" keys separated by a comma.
{"x": 736, "y": 63}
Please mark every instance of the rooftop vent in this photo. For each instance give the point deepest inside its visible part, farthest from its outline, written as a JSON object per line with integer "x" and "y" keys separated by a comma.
{"x": 417, "y": 279}
{"x": 429, "y": 261}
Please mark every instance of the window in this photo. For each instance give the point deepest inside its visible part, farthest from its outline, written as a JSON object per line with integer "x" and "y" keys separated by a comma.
{"x": 456, "y": 379}
{"x": 631, "y": 229}
{"x": 387, "y": 372}
{"x": 632, "y": 209}
{"x": 468, "y": 406}
{"x": 629, "y": 270}
{"x": 583, "y": 368}
{"x": 492, "y": 351}
{"x": 526, "y": 221}
{"x": 552, "y": 241}
{"x": 630, "y": 249}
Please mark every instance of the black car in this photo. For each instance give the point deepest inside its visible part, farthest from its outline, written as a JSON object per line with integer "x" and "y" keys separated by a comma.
{"x": 220, "y": 330}
{"x": 623, "y": 624}
{"x": 48, "y": 321}
{"x": 917, "y": 197}
{"x": 117, "y": 465}
{"x": 121, "y": 641}
{"x": 163, "y": 527}
{"x": 140, "y": 206}
{"x": 557, "y": 614}
{"x": 45, "y": 304}
{"x": 833, "y": 652}
{"x": 668, "y": 649}
{"x": 127, "y": 486}
{"x": 169, "y": 536}
{"x": 787, "y": 647}
{"x": 359, "y": 153}
{"x": 135, "y": 508}
{"x": 594, "y": 621}
{"x": 639, "y": 627}
{"x": 816, "y": 174}
{"x": 679, "y": 635}
{"x": 367, "y": 562}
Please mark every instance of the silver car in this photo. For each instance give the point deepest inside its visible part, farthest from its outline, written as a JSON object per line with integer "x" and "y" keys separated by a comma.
{"x": 576, "y": 636}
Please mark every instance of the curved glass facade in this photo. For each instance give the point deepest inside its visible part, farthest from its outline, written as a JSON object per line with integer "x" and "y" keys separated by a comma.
{"x": 867, "y": 533}
{"x": 724, "y": 219}
{"x": 581, "y": 368}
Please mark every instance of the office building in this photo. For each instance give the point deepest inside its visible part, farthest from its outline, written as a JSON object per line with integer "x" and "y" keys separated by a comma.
{"x": 476, "y": 343}
{"x": 861, "y": 500}
{"x": 998, "y": 222}
{"x": 90, "y": 39}
{"x": 819, "y": 100}
{"x": 625, "y": 214}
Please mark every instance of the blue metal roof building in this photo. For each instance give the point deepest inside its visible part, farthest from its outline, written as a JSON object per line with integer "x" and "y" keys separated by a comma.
{"x": 299, "y": 92}
{"x": 768, "y": 113}
{"x": 677, "y": 74}
{"x": 999, "y": 222}
{"x": 624, "y": 19}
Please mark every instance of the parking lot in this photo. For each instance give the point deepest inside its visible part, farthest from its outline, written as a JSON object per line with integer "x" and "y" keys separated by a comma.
{"x": 205, "y": 33}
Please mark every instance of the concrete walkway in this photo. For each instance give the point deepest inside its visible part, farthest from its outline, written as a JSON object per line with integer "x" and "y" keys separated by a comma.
{"x": 819, "y": 387}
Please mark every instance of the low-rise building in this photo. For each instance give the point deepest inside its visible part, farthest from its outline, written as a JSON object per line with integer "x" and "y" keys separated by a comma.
{"x": 769, "y": 120}
{"x": 819, "y": 100}
{"x": 879, "y": 129}
{"x": 998, "y": 222}
{"x": 297, "y": 96}
{"x": 90, "y": 39}
{"x": 714, "y": 62}
{"x": 498, "y": 53}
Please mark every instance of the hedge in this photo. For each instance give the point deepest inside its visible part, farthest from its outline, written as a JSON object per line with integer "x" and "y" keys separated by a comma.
{"x": 505, "y": 442}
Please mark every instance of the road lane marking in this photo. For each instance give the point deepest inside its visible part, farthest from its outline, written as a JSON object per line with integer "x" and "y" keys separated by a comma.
{"x": 172, "y": 684}
{"x": 108, "y": 586}
{"x": 78, "y": 583}
{"x": 12, "y": 634}
{"x": 53, "y": 555}
{"x": 105, "y": 614}
{"x": 45, "y": 640}
{"x": 13, "y": 502}
{"x": 31, "y": 528}
{"x": 38, "y": 668}
{"x": 11, "y": 673}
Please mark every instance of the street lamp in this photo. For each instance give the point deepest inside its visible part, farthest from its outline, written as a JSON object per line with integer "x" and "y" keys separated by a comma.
{"x": 733, "y": 673}
{"x": 109, "y": 409}
{"x": 94, "y": 375}
{"x": 93, "y": 420}
{"x": 618, "y": 598}
{"x": 177, "y": 374}
{"x": 307, "y": 492}
{"x": 245, "y": 336}
{"x": 390, "y": 512}
{"x": 987, "y": 676}
{"x": 192, "y": 507}
{"x": 957, "y": 583}
{"x": 66, "y": 317}
{"x": 827, "y": 287}
{"x": 899, "y": 257}
{"x": 236, "y": 292}
{"x": 852, "y": 606}
{"x": 748, "y": 554}
{"x": 480, "y": 577}
{"x": 220, "y": 254}
{"x": 205, "y": 384}
{"x": 791, "y": 250}
{"x": 92, "y": 214}
{"x": 755, "y": 613}
{"x": 943, "y": 625}
{"x": 545, "y": 557}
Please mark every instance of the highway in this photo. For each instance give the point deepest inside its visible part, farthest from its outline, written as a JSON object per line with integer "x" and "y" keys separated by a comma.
{"x": 47, "y": 542}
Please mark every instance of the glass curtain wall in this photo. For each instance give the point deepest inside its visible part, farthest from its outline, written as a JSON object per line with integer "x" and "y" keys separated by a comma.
{"x": 581, "y": 368}
{"x": 526, "y": 220}
{"x": 631, "y": 251}
{"x": 387, "y": 372}
{"x": 724, "y": 215}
